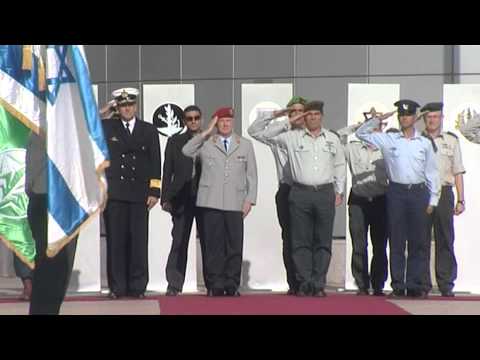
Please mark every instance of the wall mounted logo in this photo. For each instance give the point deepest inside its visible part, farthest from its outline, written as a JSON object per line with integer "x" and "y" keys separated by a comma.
{"x": 467, "y": 121}
{"x": 167, "y": 118}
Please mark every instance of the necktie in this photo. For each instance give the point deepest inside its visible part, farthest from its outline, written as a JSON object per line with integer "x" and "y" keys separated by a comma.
{"x": 225, "y": 142}
{"x": 127, "y": 127}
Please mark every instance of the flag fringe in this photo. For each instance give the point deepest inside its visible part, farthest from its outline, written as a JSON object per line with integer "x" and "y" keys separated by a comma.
{"x": 23, "y": 119}
{"x": 27, "y": 53}
{"x": 8, "y": 244}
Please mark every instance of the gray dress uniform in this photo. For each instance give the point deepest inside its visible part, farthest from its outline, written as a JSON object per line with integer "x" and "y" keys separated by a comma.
{"x": 257, "y": 130}
{"x": 317, "y": 165}
{"x": 228, "y": 180}
{"x": 51, "y": 275}
{"x": 449, "y": 159}
{"x": 367, "y": 209}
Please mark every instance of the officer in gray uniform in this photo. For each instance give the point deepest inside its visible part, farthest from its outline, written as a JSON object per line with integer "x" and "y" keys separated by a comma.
{"x": 256, "y": 130}
{"x": 451, "y": 170}
{"x": 226, "y": 192}
{"x": 413, "y": 192}
{"x": 317, "y": 164}
{"x": 367, "y": 209}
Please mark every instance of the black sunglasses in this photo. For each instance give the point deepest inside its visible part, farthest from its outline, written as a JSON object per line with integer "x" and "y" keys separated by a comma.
{"x": 190, "y": 118}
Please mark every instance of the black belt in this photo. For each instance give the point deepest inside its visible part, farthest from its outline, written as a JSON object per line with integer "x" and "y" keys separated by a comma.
{"x": 313, "y": 187}
{"x": 408, "y": 186}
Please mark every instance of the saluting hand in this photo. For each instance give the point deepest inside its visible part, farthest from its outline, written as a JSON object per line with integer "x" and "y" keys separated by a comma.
{"x": 210, "y": 127}
{"x": 282, "y": 112}
{"x": 296, "y": 120}
{"x": 387, "y": 115}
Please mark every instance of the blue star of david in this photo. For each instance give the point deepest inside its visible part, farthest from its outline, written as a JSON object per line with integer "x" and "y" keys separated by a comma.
{"x": 64, "y": 74}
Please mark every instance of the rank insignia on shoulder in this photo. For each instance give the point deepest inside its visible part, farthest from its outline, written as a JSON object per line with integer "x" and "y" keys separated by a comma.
{"x": 334, "y": 132}
{"x": 452, "y": 134}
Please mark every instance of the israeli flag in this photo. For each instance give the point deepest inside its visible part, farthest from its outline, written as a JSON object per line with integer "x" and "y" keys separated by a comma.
{"x": 76, "y": 147}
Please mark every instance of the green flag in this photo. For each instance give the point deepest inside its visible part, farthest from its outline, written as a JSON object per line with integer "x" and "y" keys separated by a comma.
{"x": 14, "y": 228}
{"x": 18, "y": 82}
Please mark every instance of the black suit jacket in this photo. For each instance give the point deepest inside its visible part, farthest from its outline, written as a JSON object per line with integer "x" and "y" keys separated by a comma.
{"x": 177, "y": 172}
{"x": 135, "y": 170}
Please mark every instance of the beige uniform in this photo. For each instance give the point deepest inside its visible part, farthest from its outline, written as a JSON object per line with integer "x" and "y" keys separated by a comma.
{"x": 449, "y": 158}
{"x": 228, "y": 179}
{"x": 369, "y": 174}
{"x": 313, "y": 161}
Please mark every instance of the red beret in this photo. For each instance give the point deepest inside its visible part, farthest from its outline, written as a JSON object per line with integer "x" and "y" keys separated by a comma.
{"x": 224, "y": 112}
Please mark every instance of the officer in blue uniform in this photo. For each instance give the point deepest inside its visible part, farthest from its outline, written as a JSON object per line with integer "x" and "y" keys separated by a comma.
{"x": 414, "y": 191}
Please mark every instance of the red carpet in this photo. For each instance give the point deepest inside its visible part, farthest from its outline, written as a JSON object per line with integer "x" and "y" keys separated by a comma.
{"x": 271, "y": 304}
{"x": 334, "y": 304}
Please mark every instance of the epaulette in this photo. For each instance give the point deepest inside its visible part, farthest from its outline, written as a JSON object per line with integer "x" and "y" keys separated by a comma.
{"x": 392, "y": 130}
{"x": 452, "y": 134}
{"x": 432, "y": 141}
{"x": 333, "y": 131}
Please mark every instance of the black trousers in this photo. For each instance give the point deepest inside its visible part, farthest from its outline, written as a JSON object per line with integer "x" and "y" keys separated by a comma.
{"x": 223, "y": 247}
{"x": 283, "y": 214}
{"x": 364, "y": 214}
{"x": 442, "y": 222}
{"x": 127, "y": 247}
{"x": 407, "y": 220}
{"x": 312, "y": 214}
{"x": 182, "y": 218}
{"x": 51, "y": 275}
{"x": 21, "y": 269}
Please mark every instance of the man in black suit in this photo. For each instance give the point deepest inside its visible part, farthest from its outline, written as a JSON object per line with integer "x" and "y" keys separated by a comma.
{"x": 179, "y": 192}
{"x": 133, "y": 189}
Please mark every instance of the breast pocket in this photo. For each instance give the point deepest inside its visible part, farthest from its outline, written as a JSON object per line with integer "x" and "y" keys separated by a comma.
{"x": 448, "y": 152}
{"x": 208, "y": 161}
{"x": 393, "y": 152}
{"x": 420, "y": 156}
{"x": 302, "y": 153}
{"x": 332, "y": 150}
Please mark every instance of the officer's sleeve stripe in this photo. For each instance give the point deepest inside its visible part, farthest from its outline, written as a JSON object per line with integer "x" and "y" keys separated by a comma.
{"x": 156, "y": 183}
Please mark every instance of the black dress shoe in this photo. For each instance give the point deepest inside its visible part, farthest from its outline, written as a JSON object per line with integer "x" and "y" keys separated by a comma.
{"x": 362, "y": 292}
{"x": 215, "y": 292}
{"x": 140, "y": 296}
{"x": 232, "y": 292}
{"x": 291, "y": 292}
{"x": 301, "y": 293}
{"x": 113, "y": 296}
{"x": 319, "y": 293}
{"x": 448, "y": 293}
{"x": 172, "y": 291}
{"x": 378, "y": 292}
{"x": 417, "y": 294}
{"x": 396, "y": 294}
